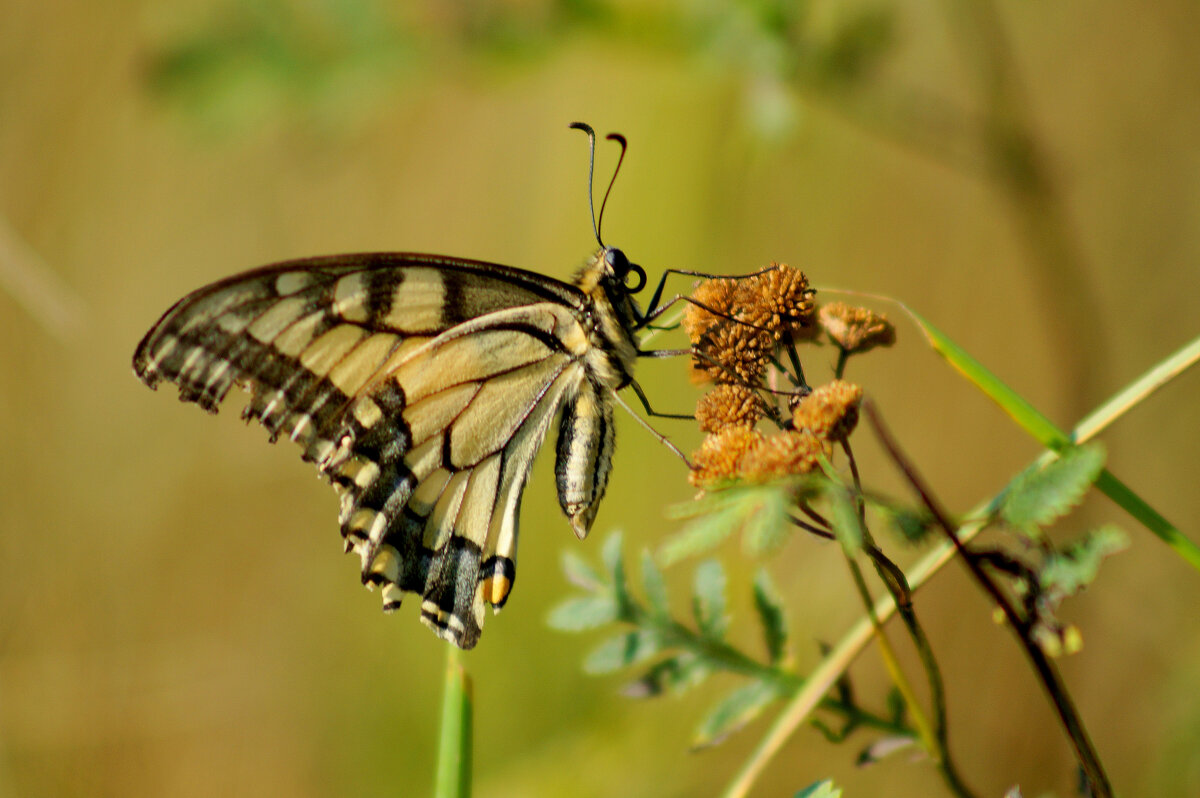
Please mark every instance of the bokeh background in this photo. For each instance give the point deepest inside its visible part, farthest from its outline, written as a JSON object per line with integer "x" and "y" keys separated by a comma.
{"x": 174, "y": 616}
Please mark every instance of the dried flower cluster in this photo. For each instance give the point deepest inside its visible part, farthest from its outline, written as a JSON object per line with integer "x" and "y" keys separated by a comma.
{"x": 856, "y": 329}
{"x": 735, "y": 323}
{"x": 742, "y": 453}
{"x": 784, "y": 454}
{"x": 728, "y": 406}
{"x": 830, "y": 412}
{"x": 719, "y": 457}
{"x": 734, "y": 450}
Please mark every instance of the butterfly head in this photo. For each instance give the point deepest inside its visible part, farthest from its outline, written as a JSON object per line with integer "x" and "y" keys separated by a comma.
{"x": 623, "y": 272}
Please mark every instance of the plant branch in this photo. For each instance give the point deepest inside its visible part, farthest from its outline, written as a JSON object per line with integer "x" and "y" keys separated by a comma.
{"x": 893, "y": 579}
{"x": 787, "y": 683}
{"x": 892, "y": 663}
{"x": 1051, "y": 680}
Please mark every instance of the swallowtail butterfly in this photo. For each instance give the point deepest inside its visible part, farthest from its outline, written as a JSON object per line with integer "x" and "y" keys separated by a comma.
{"x": 421, "y": 386}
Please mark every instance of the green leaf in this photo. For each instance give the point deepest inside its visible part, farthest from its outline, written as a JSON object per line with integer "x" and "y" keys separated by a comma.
{"x": 769, "y": 523}
{"x": 655, "y": 587}
{"x": 615, "y": 563}
{"x": 761, "y": 512}
{"x": 622, "y": 651}
{"x": 1067, "y": 572}
{"x": 1039, "y": 496}
{"x": 610, "y": 553}
{"x": 677, "y": 674}
{"x": 716, "y": 519}
{"x": 847, "y": 526}
{"x": 771, "y": 616}
{"x": 708, "y": 599}
{"x": 580, "y": 572}
{"x": 693, "y": 672}
{"x": 1012, "y": 403}
{"x": 913, "y": 524}
{"x": 583, "y": 612}
{"x": 654, "y": 682}
{"x": 820, "y": 789}
{"x": 1063, "y": 574}
{"x": 733, "y": 712}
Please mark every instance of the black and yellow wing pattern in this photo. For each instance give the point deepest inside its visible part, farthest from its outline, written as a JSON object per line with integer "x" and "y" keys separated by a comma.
{"x": 421, "y": 386}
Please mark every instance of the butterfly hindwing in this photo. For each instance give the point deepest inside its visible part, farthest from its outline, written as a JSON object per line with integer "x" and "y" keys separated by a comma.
{"x": 443, "y": 520}
{"x": 422, "y": 387}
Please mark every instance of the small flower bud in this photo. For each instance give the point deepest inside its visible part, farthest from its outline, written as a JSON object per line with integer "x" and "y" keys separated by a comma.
{"x": 856, "y": 329}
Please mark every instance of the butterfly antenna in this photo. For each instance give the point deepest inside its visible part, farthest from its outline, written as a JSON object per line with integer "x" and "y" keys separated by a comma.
{"x": 617, "y": 137}
{"x": 591, "y": 134}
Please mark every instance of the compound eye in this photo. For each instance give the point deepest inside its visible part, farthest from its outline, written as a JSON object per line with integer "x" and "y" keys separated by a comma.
{"x": 616, "y": 261}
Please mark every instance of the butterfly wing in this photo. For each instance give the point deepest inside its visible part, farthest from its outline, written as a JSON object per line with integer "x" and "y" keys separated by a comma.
{"x": 421, "y": 386}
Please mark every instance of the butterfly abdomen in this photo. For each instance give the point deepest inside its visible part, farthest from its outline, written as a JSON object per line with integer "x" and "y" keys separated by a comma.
{"x": 584, "y": 456}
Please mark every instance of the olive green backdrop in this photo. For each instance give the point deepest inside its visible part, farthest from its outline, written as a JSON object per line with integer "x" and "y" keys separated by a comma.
{"x": 175, "y": 615}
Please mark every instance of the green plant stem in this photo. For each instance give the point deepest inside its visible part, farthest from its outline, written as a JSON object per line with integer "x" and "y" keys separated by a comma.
{"x": 1089, "y": 760}
{"x": 892, "y": 663}
{"x": 840, "y": 368}
{"x": 785, "y": 682}
{"x": 455, "y": 742}
{"x": 893, "y": 579}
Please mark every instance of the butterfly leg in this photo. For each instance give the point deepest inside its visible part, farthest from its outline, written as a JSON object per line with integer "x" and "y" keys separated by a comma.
{"x": 653, "y": 309}
{"x": 641, "y": 395}
{"x": 663, "y": 439}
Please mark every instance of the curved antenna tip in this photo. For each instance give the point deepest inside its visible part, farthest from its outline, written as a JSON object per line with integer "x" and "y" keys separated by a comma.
{"x": 591, "y": 134}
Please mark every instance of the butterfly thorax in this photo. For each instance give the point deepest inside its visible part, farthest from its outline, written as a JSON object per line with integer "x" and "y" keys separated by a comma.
{"x": 614, "y": 316}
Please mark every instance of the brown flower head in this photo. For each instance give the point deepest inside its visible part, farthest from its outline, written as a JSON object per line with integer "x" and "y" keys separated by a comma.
{"x": 730, "y": 352}
{"x": 716, "y": 294}
{"x": 777, "y": 298}
{"x": 728, "y": 406}
{"x": 742, "y": 318}
{"x": 856, "y": 329}
{"x": 830, "y": 412}
{"x": 783, "y": 454}
{"x": 718, "y": 458}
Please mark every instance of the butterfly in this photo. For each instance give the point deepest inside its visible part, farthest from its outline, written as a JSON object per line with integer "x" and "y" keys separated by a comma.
{"x": 422, "y": 386}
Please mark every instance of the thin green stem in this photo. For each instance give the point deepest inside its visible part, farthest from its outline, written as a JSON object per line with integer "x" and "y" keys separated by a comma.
{"x": 726, "y": 657}
{"x": 1089, "y": 760}
{"x": 892, "y": 663}
{"x": 840, "y": 368}
{"x": 893, "y": 579}
{"x": 455, "y": 742}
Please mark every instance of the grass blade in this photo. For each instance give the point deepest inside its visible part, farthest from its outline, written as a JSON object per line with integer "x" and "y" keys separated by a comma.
{"x": 1050, "y": 436}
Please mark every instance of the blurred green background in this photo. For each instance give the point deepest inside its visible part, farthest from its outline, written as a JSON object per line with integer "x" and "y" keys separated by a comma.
{"x": 175, "y": 618}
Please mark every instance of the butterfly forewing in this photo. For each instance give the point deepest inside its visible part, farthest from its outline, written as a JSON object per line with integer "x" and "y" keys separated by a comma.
{"x": 422, "y": 387}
